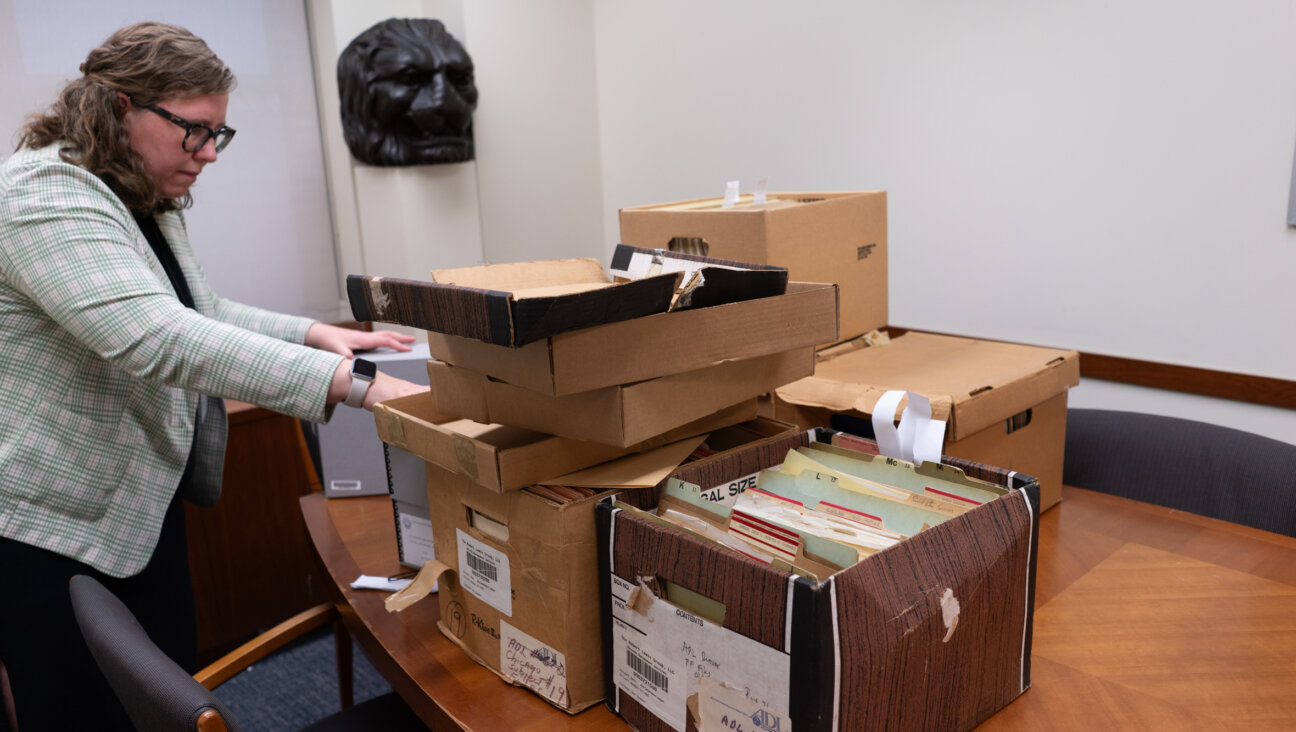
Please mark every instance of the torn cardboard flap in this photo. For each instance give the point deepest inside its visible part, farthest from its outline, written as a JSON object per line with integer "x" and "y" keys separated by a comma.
{"x": 641, "y": 470}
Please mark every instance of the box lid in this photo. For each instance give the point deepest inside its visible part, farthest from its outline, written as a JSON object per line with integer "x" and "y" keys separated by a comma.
{"x": 522, "y": 302}
{"x": 510, "y": 304}
{"x": 971, "y": 383}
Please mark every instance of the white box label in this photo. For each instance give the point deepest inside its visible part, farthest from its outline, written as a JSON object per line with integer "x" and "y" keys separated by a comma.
{"x": 727, "y": 494}
{"x": 417, "y": 546}
{"x": 659, "y": 655}
{"x": 533, "y": 664}
{"x": 484, "y": 572}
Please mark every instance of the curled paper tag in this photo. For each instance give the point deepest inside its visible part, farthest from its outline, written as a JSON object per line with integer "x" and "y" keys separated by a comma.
{"x": 919, "y": 438}
{"x": 762, "y": 186}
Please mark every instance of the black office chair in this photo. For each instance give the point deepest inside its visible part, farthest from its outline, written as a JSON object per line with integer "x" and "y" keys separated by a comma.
{"x": 160, "y": 696}
{"x": 1183, "y": 464}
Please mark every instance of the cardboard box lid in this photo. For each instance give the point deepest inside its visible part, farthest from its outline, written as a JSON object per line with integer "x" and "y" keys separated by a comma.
{"x": 497, "y": 457}
{"x": 654, "y": 346}
{"x": 971, "y": 383}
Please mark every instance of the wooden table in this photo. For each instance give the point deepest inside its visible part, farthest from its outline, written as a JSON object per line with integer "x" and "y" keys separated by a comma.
{"x": 1145, "y": 618}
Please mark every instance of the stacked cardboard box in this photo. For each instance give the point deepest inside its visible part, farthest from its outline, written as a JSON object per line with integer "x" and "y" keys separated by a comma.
{"x": 1004, "y": 404}
{"x": 836, "y": 237}
{"x": 540, "y": 373}
{"x": 842, "y": 238}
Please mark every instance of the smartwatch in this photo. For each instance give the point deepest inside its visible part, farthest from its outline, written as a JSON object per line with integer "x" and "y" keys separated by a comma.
{"x": 362, "y": 375}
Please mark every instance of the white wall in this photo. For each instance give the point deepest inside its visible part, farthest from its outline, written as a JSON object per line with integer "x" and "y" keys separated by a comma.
{"x": 537, "y": 129}
{"x": 260, "y": 221}
{"x": 1108, "y": 177}
{"x": 534, "y": 190}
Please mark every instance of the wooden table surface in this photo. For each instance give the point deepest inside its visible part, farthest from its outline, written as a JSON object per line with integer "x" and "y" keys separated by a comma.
{"x": 1145, "y": 618}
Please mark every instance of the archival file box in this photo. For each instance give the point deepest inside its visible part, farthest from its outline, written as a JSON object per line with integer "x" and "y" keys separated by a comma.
{"x": 869, "y": 648}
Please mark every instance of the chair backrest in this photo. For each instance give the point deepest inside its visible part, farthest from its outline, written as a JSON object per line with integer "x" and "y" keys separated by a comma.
{"x": 1184, "y": 464}
{"x": 157, "y": 693}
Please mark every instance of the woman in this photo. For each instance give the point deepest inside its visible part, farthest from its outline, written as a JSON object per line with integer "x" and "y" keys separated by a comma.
{"x": 112, "y": 342}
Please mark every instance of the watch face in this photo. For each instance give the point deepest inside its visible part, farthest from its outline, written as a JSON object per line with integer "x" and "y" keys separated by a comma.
{"x": 366, "y": 369}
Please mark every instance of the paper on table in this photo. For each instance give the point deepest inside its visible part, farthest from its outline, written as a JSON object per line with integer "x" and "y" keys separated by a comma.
{"x": 387, "y": 584}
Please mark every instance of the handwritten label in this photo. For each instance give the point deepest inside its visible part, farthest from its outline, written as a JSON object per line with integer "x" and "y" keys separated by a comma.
{"x": 850, "y": 514}
{"x": 484, "y": 572}
{"x": 765, "y": 535}
{"x": 658, "y": 658}
{"x": 725, "y": 707}
{"x": 533, "y": 664}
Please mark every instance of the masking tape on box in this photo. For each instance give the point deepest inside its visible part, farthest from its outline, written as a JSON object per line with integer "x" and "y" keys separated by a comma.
{"x": 466, "y": 456}
{"x": 391, "y": 426}
{"x": 423, "y": 583}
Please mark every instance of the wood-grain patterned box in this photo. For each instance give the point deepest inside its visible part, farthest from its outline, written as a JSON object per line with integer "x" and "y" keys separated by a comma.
{"x": 933, "y": 633}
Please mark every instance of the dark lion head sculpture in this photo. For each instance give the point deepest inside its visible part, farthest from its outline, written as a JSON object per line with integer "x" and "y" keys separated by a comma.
{"x": 407, "y": 94}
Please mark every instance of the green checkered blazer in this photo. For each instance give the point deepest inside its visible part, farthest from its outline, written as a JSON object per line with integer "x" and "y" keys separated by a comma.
{"x": 102, "y": 369}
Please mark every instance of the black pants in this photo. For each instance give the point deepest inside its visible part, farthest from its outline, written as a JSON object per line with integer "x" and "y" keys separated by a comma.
{"x": 55, "y": 680}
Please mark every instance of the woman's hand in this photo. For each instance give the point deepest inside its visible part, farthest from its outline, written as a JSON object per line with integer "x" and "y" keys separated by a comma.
{"x": 346, "y": 341}
{"x": 384, "y": 386}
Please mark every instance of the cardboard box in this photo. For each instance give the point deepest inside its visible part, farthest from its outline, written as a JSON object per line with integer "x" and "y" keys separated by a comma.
{"x": 932, "y": 633}
{"x": 351, "y": 456}
{"x": 515, "y": 304}
{"x": 1004, "y": 404}
{"x": 658, "y": 345}
{"x": 619, "y": 415}
{"x": 497, "y": 457}
{"x": 818, "y": 237}
{"x": 523, "y": 596}
{"x": 415, "y": 541}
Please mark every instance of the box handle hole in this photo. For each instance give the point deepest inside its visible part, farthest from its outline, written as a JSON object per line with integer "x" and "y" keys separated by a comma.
{"x": 690, "y": 245}
{"x": 1017, "y": 421}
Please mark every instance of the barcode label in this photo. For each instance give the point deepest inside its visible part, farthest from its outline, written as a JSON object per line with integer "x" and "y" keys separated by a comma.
{"x": 484, "y": 572}
{"x": 660, "y": 652}
{"x": 641, "y": 666}
{"x": 483, "y": 566}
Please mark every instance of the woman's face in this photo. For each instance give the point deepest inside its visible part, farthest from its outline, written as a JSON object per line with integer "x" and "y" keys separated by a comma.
{"x": 158, "y": 140}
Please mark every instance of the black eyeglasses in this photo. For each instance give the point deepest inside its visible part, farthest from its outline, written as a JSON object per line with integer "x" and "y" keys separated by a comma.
{"x": 196, "y": 135}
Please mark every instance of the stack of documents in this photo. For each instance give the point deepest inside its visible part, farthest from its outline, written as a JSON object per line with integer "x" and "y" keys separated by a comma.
{"x": 826, "y": 507}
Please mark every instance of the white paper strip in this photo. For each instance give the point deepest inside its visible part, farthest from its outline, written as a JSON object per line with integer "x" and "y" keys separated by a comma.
{"x": 761, "y": 186}
{"x": 731, "y": 194}
{"x": 884, "y": 429}
{"x": 919, "y": 438}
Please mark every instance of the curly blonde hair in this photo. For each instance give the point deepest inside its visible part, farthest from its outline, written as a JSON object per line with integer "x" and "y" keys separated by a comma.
{"x": 150, "y": 62}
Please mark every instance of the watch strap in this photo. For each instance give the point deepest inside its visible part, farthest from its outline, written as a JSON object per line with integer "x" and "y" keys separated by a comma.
{"x": 359, "y": 387}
